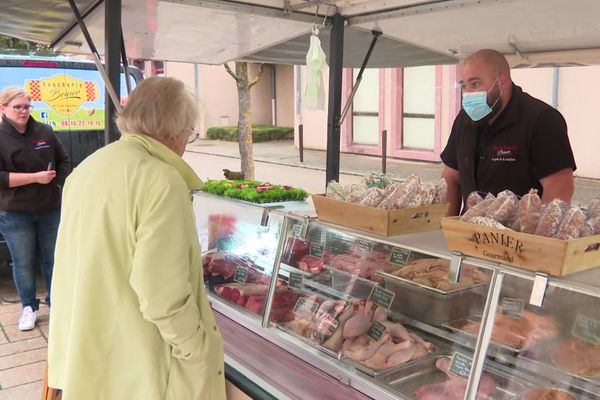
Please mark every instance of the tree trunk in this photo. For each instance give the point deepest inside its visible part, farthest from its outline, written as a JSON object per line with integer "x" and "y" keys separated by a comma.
{"x": 245, "y": 121}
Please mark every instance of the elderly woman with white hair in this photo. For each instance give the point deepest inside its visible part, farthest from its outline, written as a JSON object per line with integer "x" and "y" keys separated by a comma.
{"x": 33, "y": 167}
{"x": 130, "y": 318}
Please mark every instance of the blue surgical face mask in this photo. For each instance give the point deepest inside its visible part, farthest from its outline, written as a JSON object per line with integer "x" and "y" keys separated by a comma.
{"x": 475, "y": 104}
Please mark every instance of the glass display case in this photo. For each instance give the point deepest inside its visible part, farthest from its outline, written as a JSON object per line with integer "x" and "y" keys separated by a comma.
{"x": 401, "y": 317}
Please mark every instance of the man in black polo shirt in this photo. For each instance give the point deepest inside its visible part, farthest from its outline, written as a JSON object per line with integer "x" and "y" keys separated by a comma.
{"x": 504, "y": 139}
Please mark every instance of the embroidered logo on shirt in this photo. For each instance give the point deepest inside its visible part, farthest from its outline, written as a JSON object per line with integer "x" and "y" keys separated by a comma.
{"x": 504, "y": 153}
{"x": 40, "y": 144}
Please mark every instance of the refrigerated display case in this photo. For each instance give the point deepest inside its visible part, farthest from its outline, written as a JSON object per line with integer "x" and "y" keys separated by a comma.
{"x": 398, "y": 317}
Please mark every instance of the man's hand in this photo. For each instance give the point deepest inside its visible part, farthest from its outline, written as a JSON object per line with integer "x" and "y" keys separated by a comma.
{"x": 558, "y": 185}
{"x": 45, "y": 177}
{"x": 453, "y": 195}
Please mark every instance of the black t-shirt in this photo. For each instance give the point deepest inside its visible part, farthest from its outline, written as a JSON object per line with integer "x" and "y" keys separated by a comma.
{"x": 527, "y": 142}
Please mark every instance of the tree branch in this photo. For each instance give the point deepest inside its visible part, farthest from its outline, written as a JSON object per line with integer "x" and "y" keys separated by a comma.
{"x": 237, "y": 78}
{"x": 254, "y": 81}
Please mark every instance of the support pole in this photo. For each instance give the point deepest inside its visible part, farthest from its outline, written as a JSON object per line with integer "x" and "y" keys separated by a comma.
{"x": 301, "y": 142}
{"x": 384, "y": 151}
{"x": 112, "y": 54}
{"x": 336, "y": 53}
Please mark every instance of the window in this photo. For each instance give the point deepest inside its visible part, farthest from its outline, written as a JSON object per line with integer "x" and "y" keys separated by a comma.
{"x": 418, "y": 108}
{"x": 365, "y": 108}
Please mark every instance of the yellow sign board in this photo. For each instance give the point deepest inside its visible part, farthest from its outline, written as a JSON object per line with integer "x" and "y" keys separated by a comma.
{"x": 64, "y": 94}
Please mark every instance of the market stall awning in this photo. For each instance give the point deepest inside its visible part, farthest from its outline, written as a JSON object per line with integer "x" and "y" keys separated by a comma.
{"x": 415, "y": 32}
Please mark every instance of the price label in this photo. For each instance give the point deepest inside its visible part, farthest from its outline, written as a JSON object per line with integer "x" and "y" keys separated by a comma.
{"x": 376, "y": 330}
{"x": 296, "y": 231}
{"x": 364, "y": 246}
{"x": 399, "y": 256}
{"x": 326, "y": 324}
{"x": 241, "y": 275}
{"x": 512, "y": 307}
{"x": 382, "y": 297}
{"x": 460, "y": 365}
{"x": 295, "y": 280}
{"x": 316, "y": 250}
{"x": 587, "y": 329}
{"x": 305, "y": 308}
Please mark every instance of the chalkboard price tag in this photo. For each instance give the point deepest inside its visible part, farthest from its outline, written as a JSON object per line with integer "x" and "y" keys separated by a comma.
{"x": 587, "y": 329}
{"x": 316, "y": 250}
{"x": 364, "y": 247}
{"x": 399, "y": 256}
{"x": 382, "y": 297}
{"x": 512, "y": 307}
{"x": 296, "y": 231}
{"x": 305, "y": 308}
{"x": 241, "y": 275}
{"x": 376, "y": 330}
{"x": 295, "y": 280}
{"x": 460, "y": 365}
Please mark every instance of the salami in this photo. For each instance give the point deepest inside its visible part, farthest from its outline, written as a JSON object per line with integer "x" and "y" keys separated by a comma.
{"x": 550, "y": 218}
{"x": 530, "y": 209}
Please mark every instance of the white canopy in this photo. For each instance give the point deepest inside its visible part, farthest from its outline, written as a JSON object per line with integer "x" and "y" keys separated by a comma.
{"x": 415, "y": 32}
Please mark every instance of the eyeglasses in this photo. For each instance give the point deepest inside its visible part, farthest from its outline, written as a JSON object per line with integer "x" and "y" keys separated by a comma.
{"x": 21, "y": 107}
{"x": 193, "y": 137}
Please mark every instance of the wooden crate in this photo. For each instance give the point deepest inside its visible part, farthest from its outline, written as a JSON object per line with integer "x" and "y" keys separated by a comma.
{"x": 532, "y": 252}
{"x": 376, "y": 220}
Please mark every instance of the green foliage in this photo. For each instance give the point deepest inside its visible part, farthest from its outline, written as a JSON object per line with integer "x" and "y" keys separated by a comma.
{"x": 254, "y": 191}
{"x": 12, "y": 45}
{"x": 260, "y": 133}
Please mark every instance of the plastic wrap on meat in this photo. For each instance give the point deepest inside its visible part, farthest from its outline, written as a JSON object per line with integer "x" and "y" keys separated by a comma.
{"x": 349, "y": 190}
{"x": 428, "y": 193}
{"x": 550, "y": 218}
{"x": 480, "y": 209}
{"x": 504, "y": 208}
{"x": 441, "y": 188}
{"x": 402, "y": 195}
{"x": 571, "y": 224}
{"x": 373, "y": 197}
{"x": 590, "y": 227}
{"x": 326, "y": 320}
{"x": 486, "y": 221}
{"x": 593, "y": 209}
{"x": 335, "y": 190}
{"x": 473, "y": 199}
{"x": 357, "y": 196}
{"x": 530, "y": 209}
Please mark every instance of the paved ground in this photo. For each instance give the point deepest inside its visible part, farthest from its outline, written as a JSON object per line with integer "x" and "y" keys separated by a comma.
{"x": 23, "y": 354}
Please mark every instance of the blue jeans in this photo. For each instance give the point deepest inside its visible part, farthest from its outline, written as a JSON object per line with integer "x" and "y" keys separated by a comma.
{"x": 30, "y": 237}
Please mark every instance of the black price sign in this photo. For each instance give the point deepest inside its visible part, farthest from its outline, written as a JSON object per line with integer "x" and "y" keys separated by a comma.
{"x": 376, "y": 330}
{"x": 364, "y": 246}
{"x": 305, "y": 308}
{"x": 382, "y": 297}
{"x": 460, "y": 365}
{"x": 587, "y": 329}
{"x": 296, "y": 231}
{"x": 316, "y": 250}
{"x": 241, "y": 274}
{"x": 512, "y": 307}
{"x": 399, "y": 256}
{"x": 295, "y": 280}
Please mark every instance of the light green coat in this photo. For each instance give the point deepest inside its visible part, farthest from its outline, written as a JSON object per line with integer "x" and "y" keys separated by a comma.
{"x": 130, "y": 318}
